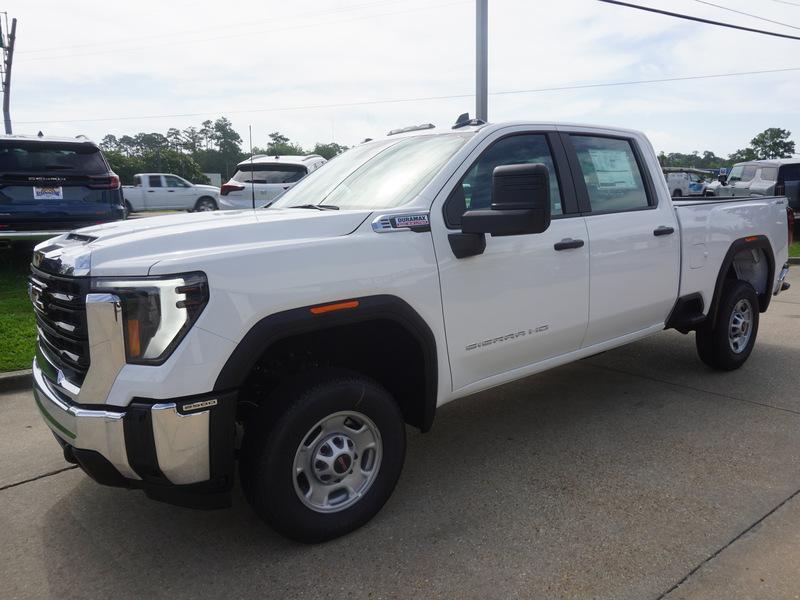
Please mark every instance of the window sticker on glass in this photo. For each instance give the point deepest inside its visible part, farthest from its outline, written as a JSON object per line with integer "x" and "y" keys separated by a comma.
{"x": 613, "y": 168}
{"x": 48, "y": 193}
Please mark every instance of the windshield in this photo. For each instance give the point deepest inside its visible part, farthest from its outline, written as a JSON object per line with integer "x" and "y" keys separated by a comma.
{"x": 384, "y": 174}
{"x": 22, "y": 156}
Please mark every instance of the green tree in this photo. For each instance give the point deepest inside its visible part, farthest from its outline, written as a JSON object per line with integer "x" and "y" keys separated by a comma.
{"x": 160, "y": 160}
{"x": 192, "y": 140}
{"x": 773, "y": 143}
{"x": 280, "y": 145}
{"x": 329, "y": 150}
{"x": 175, "y": 138}
{"x": 743, "y": 155}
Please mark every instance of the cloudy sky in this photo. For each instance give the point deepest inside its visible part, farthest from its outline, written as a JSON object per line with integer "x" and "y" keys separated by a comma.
{"x": 343, "y": 70}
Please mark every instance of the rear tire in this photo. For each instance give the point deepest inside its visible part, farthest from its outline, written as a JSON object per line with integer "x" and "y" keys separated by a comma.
{"x": 128, "y": 208}
{"x": 727, "y": 343}
{"x": 328, "y": 462}
{"x": 205, "y": 204}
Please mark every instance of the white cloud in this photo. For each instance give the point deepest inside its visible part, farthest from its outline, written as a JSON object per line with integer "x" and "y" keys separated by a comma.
{"x": 95, "y": 59}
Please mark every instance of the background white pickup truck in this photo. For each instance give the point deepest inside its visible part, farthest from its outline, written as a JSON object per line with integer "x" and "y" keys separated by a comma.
{"x": 411, "y": 271}
{"x": 164, "y": 191}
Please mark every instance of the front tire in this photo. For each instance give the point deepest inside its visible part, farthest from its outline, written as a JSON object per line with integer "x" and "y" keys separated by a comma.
{"x": 327, "y": 464}
{"x": 205, "y": 205}
{"x": 727, "y": 343}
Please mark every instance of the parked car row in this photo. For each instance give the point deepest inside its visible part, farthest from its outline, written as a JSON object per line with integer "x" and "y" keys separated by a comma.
{"x": 49, "y": 185}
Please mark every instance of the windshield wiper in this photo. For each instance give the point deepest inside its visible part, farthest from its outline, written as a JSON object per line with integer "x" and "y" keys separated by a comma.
{"x": 317, "y": 206}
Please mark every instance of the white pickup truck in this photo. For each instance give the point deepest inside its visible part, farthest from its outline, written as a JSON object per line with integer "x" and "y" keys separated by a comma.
{"x": 411, "y": 271}
{"x": 164, "y": 191}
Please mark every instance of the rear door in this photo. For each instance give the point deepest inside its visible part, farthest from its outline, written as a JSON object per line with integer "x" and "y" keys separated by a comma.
{"x": 54, "y": 185}
{"x": 634, "y": 242}
{"x": 155, "y": 194}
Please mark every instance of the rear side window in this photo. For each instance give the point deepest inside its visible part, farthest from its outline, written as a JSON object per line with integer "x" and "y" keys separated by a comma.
{"x": 155, "y": 180}
{"x": 613, "y": 178}
{"x": 769, "y": 173}
{"x": 261, "y": 173}
{"x": 21, "y": 156}
{"x": 790, "y": 173}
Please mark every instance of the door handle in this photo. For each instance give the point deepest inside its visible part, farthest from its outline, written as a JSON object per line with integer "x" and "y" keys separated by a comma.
{"x": 663, "y": 230}
{"x": 567, "y": 244}
{"x": 170, "y": 191}
{"x": 150, "y": 191}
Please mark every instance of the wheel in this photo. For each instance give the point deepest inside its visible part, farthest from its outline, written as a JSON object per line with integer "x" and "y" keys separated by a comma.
{"x": 205, "y": 205}
{"x": 128, "y": 208}
{"x": 726, "y": 343}
{"x": 328, "y": 462}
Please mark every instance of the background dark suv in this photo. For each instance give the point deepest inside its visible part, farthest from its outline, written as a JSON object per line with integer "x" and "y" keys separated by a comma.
{"x": 50, "y": 185}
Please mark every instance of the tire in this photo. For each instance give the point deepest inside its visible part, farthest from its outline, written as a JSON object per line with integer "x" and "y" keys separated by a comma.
{"x": 205, "y": 204}
{"x": 727, "y": 343}
{"x": 287, "y": 454}
{"x": 128, "y": 208}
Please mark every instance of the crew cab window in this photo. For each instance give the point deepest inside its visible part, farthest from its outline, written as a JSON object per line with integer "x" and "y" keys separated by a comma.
{"x": 790, "y": 173}
{"x": 155, "y": 180}
{"x": 613, "y": 178}
{"x": 769, "y": 173}
{"x": 742, "y": 173}
{"x": 174, "y": 182}
{"x": 261, "y": 173}
{"x": 475, "y": 188}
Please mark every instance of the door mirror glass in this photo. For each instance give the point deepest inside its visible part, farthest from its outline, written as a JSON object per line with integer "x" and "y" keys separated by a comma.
{"x": 520, "y": 202}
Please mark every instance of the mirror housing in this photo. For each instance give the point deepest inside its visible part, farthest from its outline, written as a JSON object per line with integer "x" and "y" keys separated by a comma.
{"x": 723, "y": 179}
{"x": 520, "y": 203}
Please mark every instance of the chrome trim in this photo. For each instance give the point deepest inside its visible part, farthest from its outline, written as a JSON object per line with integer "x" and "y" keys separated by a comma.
{"x": 106, "y": 352}
{"x": 387, "y": 222}
{"x": 98, "y": 430}
{"x": 182, "y": 444}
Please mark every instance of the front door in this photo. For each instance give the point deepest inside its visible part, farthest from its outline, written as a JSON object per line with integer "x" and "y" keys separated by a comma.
{"x": 526, "y": 297}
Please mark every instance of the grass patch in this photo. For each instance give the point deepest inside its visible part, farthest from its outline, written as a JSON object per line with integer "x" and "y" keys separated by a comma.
{"x": 17, "y": 324}
{"x": 794, "y": 249}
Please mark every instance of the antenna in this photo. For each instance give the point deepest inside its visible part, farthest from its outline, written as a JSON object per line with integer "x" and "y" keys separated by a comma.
{"x": 252, "y": 173}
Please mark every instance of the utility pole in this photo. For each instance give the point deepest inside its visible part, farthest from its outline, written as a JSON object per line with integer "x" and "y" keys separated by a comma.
{"x": 481, "y": 59}
{"x": 8, "y": 57}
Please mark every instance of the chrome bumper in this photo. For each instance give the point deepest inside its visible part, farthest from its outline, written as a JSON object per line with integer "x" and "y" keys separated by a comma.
{"x": 181, "y": 440}
{"x": 782, "y": 284}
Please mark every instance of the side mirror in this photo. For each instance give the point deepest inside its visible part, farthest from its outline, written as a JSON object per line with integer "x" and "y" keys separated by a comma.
{"x": 723, "y": 179}
{"x": 520, "y": 203}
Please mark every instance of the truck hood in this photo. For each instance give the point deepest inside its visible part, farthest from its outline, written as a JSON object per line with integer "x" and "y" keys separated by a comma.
{"x": 132, "y": 247}
{"x": 210, "y": 188}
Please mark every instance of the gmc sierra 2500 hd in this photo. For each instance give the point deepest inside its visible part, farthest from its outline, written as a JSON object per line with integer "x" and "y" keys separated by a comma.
{"x": 412, "y": 270}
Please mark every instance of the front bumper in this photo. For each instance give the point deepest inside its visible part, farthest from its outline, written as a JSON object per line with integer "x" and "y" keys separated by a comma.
{"x": 179, "y": 451}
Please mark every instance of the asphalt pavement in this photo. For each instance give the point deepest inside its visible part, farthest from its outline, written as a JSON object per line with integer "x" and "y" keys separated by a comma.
{"x": 638, "y": 473}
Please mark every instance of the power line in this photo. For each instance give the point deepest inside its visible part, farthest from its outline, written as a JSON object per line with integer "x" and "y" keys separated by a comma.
{"x": 739, "y": 12}
{"x": 787, "y": 2}
{"x": 418, "y": 99}
{"x": 699, "y": 19}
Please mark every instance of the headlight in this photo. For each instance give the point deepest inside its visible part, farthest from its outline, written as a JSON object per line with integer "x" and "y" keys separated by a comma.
{"x": 157, "y": 312}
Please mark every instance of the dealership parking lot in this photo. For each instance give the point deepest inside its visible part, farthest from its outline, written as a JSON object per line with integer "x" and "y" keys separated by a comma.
{"x": 620, "y": 476}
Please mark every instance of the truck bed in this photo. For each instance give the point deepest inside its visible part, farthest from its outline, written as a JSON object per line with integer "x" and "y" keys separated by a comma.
{"x": 709, "y": 227}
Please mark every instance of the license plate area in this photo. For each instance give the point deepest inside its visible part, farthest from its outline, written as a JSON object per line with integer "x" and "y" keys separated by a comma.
{"x": 48, "y": 193}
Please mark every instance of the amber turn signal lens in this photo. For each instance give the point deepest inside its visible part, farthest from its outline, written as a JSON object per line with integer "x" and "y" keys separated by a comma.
{"x": 134, "y": 343}
{"x": 325, "y": 308}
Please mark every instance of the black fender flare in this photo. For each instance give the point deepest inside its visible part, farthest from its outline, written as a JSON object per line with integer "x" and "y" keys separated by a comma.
{"x": 288, "y": 323}
{"x": 747, "y": 243}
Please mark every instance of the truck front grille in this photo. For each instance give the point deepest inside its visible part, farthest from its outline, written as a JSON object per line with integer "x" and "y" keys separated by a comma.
{"x": 60, "y": 307}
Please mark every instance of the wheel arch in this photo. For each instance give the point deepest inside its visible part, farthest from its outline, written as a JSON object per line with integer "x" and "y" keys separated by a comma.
{"x": 374, "y": 326}
{"x": 206, "y": 197}
{"x": 734, "y": 266}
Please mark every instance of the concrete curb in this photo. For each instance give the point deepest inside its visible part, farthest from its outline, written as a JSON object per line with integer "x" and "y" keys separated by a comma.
{"x": 15, "y": 380}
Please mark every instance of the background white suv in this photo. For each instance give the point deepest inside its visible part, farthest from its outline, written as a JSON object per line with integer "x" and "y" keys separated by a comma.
{"x": 263, "y": 178}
